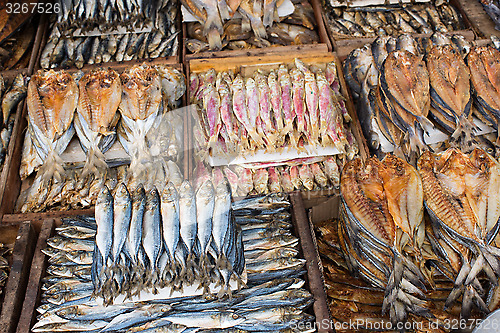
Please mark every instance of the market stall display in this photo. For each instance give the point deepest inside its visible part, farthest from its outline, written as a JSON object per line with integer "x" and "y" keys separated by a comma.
{"x": 274, "y": 298}
{"x": 107, "y": 105}
{"x": 106, "y": 31}
{"x": 397, "y": 116}
{"x": 296, "y": 29}
{"x": 391, "y": 20}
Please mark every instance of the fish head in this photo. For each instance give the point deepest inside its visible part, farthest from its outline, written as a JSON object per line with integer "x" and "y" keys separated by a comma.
{"x": 186, "y": 191}
{"x": 122, "y": 193}
{"x": 298, "y": 293}
{"x": 206, "y": 190}
{"x": 169, "y": 193}
{"x": 104, "y": 197}
{"x": 153, "y": 199}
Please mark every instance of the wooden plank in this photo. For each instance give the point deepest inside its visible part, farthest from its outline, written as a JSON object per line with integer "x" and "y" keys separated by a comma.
{"x": 274, "y": 50}
{"x": 314, "y": 273}
{"x": 37, "y": 217}
{"x": 18, "y": 277}
{"x": 38, "y": 266}
{"x": 480, "y": 21}
{"x": 320, "y": 21}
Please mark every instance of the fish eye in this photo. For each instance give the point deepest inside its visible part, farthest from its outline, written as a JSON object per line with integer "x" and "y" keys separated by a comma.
{"x": 235, "y": 316}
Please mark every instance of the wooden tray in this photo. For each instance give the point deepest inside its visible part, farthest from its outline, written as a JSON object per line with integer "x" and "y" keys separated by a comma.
{"x": 23, "y": 236}
{"x": 354, "y": 42}
{"x": 478, "y": 19}
{"x": 10, "y": 178}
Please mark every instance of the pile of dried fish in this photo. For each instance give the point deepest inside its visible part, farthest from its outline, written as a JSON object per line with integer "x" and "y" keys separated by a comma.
{"x": 262, "y": 178}
{"x": 275, "y": 299}
{"x": 126, "y": 31}
{"x": 11, "y": 94}
{"x": 194, "y": 240}
{"x": 382, "y": 231}
{"x": 5, "y": 251}
{"x": 492, "y": 8}
{"x": 397, "y": 90}
{"x": 295, "y": 29}
{"x": 352, "y": 300}
{"x": 461, "y": 197}
{"x": 272, "y": 111}
{"x": 385, "y": 240}
{"x": 142, "y": 95}
{"x": 392, "y": 20}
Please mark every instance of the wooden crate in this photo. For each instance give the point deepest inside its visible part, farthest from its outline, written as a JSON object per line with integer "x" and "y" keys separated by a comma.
{"x": 342, "y": 45}
{"x": 302, "y": 230}
{"x": 276, "y": 50}
{"x": 11, "y": 179}
{"x": 23, "y": 236}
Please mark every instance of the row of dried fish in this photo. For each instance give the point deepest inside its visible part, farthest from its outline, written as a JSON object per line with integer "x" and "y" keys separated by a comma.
{"x": 300, "y": 174}
{"x": 11, "y": 94}
{"x": 295, "y": 29}
{"x": 75, "y": 192}
{"x": 274, "y": 300}
{"x": 353, "y": 300}
{"x": 392, "y": 20}
{"x": 190, "y": 239}
{"x": 142, "y": 95}
{"x": 103, "y": 15}
{"x": 271, "y": 111}
{"x": 398, "y": 90}
{"x": 62, "y": 51}
{"x": 386, "y": 242}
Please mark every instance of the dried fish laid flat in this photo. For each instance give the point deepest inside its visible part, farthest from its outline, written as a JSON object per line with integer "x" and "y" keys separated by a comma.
{"x": 392, "y": 20}
{"x": 295, "y": 29}
{"x": 352, "y": 299}
{"x": 316, "y": 173}
{"x": 274, "y": 298}
{"x": 104, "y": 31}
{"x": 382, "y": 231}
{"x": 398, "y": 93}
{"x": 271, "y": 111}
{"x": 133, "y": 106}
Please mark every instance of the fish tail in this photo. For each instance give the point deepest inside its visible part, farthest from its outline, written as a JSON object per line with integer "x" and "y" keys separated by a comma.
{"x": 95, "y": 163}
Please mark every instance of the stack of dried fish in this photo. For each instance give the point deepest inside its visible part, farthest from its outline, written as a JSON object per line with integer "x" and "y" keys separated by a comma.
{"x": 317, "y": 173}
{"x": 143, "y": 95}
{"x": 382, "y": 231}
{"x": 396, "y": 90}
{"x": 461, "y": 197}
{"x": 275, "y": 299}
{"x": 492, "y": 8}
{"x": 113, "y": 37}
{"x": 11, "y": 95}
{"x": 295, "y": 29}
{"x": 353, "y": 300}
{"x": 272, "y": 111}
{"x": 392, "y": 20}
{"x": 174, "y": 221}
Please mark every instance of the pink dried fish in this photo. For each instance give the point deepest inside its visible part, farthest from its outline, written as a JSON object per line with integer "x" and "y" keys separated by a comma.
{"x": 285, "y": 83}
{"x": 265, "y": 109}
{"x": 194, "y": 84}
{"x": 240, "y": 108}
{"x": 274, "y": 180}
{"x": 295, "y": 178}
{"x": 226, "y": 108}
{"x": 276, "y": 100}
{"x": 286, "y": 181}
{"x": 326, "y": 106}
{"x": 260, "y": 179}
{"x": 253, "y": 109}
{"x": 299, "y": 100}
{"x": 201, "y": 175}
{"x": 245, "y": 180}
{"x": 306, "y": 177}
{"x": 319, "y": 175}
{"x": 332, "y": 170}
{"x": 211, "y": 104}
{"x": 312, "y": 100}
